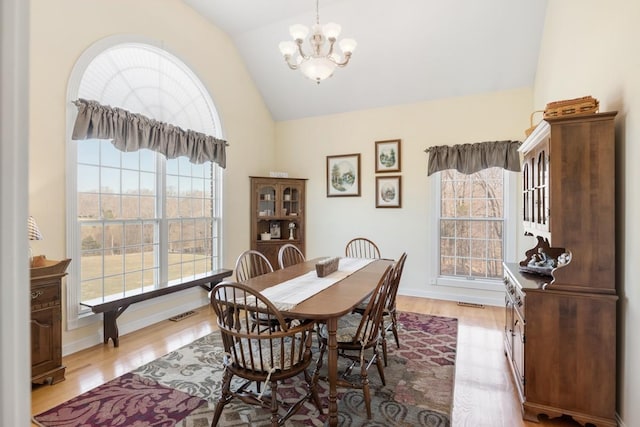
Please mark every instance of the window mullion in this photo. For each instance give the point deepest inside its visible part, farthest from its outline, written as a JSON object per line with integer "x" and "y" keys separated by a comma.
{"x": 162, "y": 223}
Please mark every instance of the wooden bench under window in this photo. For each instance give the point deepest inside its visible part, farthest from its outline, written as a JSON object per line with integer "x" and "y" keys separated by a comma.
{"x": 112, "y": 308}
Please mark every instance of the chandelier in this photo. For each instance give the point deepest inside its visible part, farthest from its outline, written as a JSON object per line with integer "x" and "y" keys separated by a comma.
{"x": 320, "y": 63}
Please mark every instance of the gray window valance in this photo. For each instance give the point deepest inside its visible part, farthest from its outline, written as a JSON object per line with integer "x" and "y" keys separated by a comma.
{"x": 471, "y": 158}
{"x": 131, "y": 132}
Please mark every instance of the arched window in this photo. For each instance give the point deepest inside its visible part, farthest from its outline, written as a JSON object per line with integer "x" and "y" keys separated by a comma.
{"x": 137, "y": 220}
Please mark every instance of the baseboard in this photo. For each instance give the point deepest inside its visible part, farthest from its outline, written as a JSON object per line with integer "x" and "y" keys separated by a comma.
{"x": 497, "y": 300}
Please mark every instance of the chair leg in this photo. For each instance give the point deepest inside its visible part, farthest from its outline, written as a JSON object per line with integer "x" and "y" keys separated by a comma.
{"x": 275, "y": 422}
{"x": 365, "y": 388}
{"x": 384, "y": 345}
{"x": 394, "y": 327}
{"x": 379, "y": 364}
{"x": 224, "y": 398}
{"x": 316, "y": 372}
{"x": 313, "y": 391}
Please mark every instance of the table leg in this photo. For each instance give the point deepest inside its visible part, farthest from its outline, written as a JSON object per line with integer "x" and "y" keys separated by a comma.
{"x": 332, "y": 356}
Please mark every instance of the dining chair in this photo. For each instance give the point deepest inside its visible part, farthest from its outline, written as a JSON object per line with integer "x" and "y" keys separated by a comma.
{"x": 251, "y": 263}
{"x": 289, "y": 254}
{"x": 356, "y": 334}
{"x": 389, "y": 321}
{"x": 256, "y": 356}
{"x": 361, "y": 247}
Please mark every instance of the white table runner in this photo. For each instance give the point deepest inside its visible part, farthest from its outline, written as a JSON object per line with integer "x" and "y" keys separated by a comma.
{"x": 287, "y": 295}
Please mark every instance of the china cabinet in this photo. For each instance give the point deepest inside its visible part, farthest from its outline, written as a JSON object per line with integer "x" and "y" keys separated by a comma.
{"x": 277, "y": 215}
{"x": 560, "y": 319}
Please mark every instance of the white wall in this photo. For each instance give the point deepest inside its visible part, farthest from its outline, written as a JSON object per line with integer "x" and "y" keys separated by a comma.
{"x": 60, "y": 32}
{"x": 591, "y": 48}
{"x": 304, "y": 144}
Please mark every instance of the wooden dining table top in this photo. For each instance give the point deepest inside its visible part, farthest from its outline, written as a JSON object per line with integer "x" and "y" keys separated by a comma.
{"x": 334, "y": 301}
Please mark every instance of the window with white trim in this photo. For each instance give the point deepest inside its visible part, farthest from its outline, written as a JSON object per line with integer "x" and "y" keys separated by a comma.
{"x": 140, "y": 228}
{"x": 475, "y": 232}
{"x": 139, "y": 220}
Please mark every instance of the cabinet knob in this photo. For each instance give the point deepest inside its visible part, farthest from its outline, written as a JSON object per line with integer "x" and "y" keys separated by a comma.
{"x": 36, "y": 294}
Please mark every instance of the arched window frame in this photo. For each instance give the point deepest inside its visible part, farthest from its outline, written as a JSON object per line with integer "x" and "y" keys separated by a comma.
{"x": 77, "y": 316}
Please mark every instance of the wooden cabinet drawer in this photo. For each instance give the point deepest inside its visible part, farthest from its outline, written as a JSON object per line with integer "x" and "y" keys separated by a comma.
{"x": 45, "y": 296}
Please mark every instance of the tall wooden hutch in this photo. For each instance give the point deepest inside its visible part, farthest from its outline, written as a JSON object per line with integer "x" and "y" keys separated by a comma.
{"x": 560, "y": 325}
{"x": 277, "y": 208}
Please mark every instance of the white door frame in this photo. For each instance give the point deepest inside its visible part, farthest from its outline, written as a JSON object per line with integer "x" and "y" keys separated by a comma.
{"x": 15, "y": 366}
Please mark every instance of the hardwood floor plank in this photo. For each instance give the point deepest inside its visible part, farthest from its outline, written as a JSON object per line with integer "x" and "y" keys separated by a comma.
{"x": 484, "y": 391}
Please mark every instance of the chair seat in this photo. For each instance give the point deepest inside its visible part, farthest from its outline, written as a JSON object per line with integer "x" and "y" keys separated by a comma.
{"x": 267, "y": 357}
{"x": 360, "y": 308}
{"x": 363, "y": 305}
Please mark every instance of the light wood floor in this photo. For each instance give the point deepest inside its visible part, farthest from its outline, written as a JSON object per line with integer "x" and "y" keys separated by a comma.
{"x": 484, "y": 392}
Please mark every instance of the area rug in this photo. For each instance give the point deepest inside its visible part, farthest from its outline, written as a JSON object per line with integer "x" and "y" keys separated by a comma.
{"x": 181, "y": 388}
{"x": 129, "y": 400}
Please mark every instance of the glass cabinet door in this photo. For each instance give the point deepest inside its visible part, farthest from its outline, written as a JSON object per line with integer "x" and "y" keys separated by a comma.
{"x": 527, "y": 193}
{"x": 266, "y": 201}
{"x": 291, "y": 200}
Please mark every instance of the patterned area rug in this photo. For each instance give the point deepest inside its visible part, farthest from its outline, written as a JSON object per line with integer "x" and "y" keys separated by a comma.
{"x": 419, "y": 390}
{"x": 129, "y": 400}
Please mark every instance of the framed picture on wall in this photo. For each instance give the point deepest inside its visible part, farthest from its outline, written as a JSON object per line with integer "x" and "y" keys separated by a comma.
{"x": 388, "y": 156}
{"x": 343, "y": 175}
{"x": 389, "y": 191}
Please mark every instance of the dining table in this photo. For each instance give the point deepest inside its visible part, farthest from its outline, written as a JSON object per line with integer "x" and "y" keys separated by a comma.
{"x": 327, "y": 305}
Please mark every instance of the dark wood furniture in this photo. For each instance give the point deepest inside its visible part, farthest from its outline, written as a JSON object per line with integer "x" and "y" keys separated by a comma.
{"x": 361, "y": 247}
{"x": 255, "y": 355}
{"x": 251, "y": 263}
{"x": 560, "y": 325}
{"x": 389, "y": 321}
{"x": 278, "y": 208}
{"x": 358, "y": 333}
{"x": 112, "y": 308}
{"x": 289, "y": 254}
{"x": 328, "y": 306}
{"x": 46, "y": 320}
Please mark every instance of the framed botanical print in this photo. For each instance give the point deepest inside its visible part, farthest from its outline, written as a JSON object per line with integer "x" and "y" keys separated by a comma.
{"x": 343, "y": 175}
{"x": 389, "y": 191}
{"x": 388, "y": 156}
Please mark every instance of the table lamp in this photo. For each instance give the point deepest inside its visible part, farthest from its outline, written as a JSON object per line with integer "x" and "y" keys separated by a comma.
{"x": 34, "y": 234}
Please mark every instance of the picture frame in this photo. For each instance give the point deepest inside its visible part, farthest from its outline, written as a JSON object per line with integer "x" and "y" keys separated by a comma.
{"x": 343, "y": 175}
{"x": 389, "y": 191}
{"x": 388, "y": 156}
{"x": 274, "y": 229}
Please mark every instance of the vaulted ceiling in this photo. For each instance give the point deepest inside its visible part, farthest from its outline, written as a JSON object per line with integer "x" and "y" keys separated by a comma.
{"x": 408, "y": 50}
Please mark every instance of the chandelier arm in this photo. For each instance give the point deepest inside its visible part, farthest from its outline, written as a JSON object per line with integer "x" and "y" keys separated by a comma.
{"x": 332, "y": 42}
{"x": 291, "y": 65}
{"x": 347, "y": 57}
{"x": 300, "y": 51}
